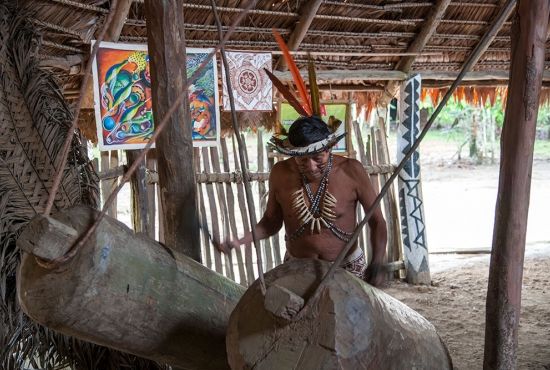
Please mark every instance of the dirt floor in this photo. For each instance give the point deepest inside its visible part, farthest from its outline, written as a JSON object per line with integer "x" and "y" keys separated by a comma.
{"x": 455, "y": 304}
{"x": 459, "y": 208}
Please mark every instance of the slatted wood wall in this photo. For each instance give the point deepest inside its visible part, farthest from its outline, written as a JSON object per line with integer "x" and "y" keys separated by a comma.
{"x": 223, "y": 212}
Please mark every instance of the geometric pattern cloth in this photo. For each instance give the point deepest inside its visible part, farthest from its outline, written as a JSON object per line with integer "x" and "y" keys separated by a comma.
{"x": 251, "y": 87}
{"x": 410, "y": 186}
{"x": 354, "y": 263}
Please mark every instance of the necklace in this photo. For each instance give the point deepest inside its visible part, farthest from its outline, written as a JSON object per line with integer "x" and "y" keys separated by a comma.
{"x": 321, "y": 210}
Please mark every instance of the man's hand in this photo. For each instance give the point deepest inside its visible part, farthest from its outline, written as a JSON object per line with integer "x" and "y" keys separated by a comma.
{"x": 226, "y": 246}
{"x": 375, "y": 274}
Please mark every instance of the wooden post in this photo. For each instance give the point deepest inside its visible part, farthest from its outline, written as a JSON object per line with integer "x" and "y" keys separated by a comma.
{"x": 410, "y": 187}
{"x": 166, "y": 45}
{"x": 517, "y": 142}
{"x": 140, "y": 203}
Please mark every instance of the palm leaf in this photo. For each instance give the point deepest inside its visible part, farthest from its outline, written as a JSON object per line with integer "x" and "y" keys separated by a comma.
{"x": 34, "y": 121}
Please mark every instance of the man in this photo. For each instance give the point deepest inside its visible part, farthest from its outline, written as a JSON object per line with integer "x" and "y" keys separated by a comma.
{"x": 315, "y": 195}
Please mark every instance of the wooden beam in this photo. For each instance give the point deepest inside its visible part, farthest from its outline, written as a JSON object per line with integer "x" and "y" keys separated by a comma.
{"x": 341, "y": 75}
{"x": 119, "y": 18}
{"x": 336, "y": 75}
{"x": 529, "y": 33}
{"x": 500, "y": 20}
{"x": 307, "y": 13}
{"x": 426, "y": 32}
{"x": 166, "y": 44}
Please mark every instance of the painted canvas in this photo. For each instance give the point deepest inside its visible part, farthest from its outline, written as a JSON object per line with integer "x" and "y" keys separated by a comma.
{"x": 252, "y": 89}
{"x": 289, "y": 115}
{"x": 203, "y": 98}
{"x": 123, "y": 103}
{"x": 122, "y": 96}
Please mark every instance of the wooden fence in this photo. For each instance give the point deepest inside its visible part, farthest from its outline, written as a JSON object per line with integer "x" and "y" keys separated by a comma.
{"x": 223, "y": 211}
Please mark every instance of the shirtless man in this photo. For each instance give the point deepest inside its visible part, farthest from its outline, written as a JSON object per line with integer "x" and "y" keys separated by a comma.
{"x": 315, "y": 194}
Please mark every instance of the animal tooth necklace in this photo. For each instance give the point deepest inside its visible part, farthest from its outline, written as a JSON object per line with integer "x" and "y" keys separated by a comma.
{"x": 321, "y": 210}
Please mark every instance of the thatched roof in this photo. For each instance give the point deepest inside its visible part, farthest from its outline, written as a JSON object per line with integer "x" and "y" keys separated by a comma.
{"x": 356, "y": 46}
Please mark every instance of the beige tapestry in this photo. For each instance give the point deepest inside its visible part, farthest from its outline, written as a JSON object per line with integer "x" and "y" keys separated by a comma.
{"x": 251, "y": 87}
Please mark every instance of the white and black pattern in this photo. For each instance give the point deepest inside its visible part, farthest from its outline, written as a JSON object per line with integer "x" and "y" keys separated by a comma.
{"x": 410, "y": 186}
{"x": 283, "y": 145}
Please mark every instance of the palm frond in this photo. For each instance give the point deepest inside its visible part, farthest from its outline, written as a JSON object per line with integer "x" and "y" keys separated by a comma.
{"x": 34, "y": 121}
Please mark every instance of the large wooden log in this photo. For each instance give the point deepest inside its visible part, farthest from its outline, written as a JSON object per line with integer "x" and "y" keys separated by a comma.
{"x": 125, "y": 291}
{"x": 352, "y": 326}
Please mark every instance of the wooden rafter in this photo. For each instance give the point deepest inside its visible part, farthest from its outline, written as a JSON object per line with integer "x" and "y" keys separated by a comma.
{"x": 426, "y": 32}
{"x": 336, "y": 76}
{"x": 307, "y": 13}
{"x": 119, "y": 18}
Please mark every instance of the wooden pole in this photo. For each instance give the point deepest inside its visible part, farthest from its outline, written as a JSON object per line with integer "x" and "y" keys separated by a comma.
{"x": 517, "y": 142}
{"x": 166, "y": 45}
{"x": 429, "y": 27}
{"x": 307, "y": 13}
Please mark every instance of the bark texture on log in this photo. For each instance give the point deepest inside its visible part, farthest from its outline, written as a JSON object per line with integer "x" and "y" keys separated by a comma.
{"x": 353, "y": 326}
{"x": 529, "y": 33}
{"x": 126, "y": 291}
{"x": 174, "y": 147}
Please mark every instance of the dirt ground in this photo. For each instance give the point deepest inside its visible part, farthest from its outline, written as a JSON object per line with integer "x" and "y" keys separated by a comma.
{"x": 459, "y": 209}
{"x": 455, "y": 304}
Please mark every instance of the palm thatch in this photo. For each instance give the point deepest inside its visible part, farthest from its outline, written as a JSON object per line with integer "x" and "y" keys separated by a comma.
{"x": 34, "y": 121}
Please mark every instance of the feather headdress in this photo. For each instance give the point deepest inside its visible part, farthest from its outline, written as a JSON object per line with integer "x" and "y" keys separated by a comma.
{"x": 306, "y": 105}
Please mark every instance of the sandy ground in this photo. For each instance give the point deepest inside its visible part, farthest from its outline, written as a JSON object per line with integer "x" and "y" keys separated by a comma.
{"x": 459, "y": 207}
{"x": 455, "y": 304}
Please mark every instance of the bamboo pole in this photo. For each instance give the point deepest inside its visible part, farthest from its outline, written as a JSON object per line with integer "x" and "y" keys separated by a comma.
{"x": 263, "y": 199}
{"x": 223, "y": 213}
{"x": 151, "y": 164}
{"x": 245, "y": 222}
{"x": 213, "y": 213}
{"x": 202, "y": 213}
{"x": 231, "y": 211}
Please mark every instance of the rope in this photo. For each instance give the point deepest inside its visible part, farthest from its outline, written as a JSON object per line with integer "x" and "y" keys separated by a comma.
{"x": 175, "y": 105}
{"x": 472, "y": 58}
{"x": 242, "y": 158}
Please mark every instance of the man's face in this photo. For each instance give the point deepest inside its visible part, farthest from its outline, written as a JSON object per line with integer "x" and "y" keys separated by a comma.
{"x": 312, "y": 166}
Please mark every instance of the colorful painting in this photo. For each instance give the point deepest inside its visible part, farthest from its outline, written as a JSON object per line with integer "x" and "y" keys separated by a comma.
{"x": 289, "y": 115}
{"x": 123, "y": 103}
{"x": 122, "y": 92}
{"x": 203, "y": 99}
{"x": 252, "y": 89}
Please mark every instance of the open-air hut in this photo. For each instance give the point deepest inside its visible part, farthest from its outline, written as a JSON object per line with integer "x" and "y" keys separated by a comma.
{"x": 188, "y": 197}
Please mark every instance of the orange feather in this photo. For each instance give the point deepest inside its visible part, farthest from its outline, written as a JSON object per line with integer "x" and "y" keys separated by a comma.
{"x": 296, "y": 76}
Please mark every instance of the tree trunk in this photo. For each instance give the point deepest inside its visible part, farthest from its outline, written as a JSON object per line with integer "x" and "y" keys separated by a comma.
{"x": 353, "y": 326}
{"x": 517, "y": 142}
{"x": 125, "y": 291}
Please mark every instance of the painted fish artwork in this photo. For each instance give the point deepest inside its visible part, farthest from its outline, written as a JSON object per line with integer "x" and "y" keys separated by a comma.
{"x": 203, "y": 98}
{"x": 122, "y": 92}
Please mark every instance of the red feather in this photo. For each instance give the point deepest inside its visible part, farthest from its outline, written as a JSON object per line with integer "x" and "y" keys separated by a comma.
{"x": 296, "y": 76}
{"x": 285, "y": 91}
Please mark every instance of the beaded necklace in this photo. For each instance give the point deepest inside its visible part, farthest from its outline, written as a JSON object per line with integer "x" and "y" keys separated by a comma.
{"x": 315, "y": 215}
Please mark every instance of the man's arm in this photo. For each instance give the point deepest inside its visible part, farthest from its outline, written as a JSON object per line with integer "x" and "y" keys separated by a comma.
{"x": 377, "y": 224}
{"x": 271, "y": 222}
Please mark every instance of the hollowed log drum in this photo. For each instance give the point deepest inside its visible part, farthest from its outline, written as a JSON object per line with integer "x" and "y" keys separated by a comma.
{"x": 352, "y": 326}
{"x": 125, "y": 291}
